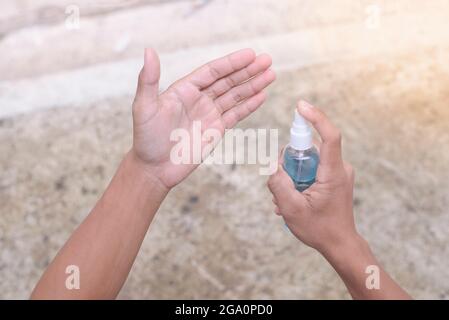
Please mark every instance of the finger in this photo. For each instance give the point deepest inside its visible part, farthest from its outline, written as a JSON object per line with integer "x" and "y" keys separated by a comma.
{"x": 274, "y": 201}
{"x": 148, "y": 85}
{"x": 232, "y": 117}
{"x": 206, "y": 75}
{"x": 262, "y": 63}
{"x": 244, "y": 91}
{"x": 283, "y": 189}
{"x": 330, "y": 149}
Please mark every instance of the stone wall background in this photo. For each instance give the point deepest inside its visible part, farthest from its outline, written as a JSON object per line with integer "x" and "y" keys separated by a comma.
{"x": 65, "y": 123}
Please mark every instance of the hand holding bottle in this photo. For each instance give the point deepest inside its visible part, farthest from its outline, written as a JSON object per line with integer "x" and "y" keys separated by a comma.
{"x": 322, "y": 215}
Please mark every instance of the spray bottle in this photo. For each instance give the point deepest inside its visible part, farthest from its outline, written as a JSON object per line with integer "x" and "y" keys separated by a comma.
{"x": 301, "y": 158}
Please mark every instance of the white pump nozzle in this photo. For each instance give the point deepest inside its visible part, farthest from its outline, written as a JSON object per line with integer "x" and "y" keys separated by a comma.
{"x": 300, "y": 133}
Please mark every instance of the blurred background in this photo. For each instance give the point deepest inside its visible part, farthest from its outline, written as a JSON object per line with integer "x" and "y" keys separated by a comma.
{"x": 380, "y": 69}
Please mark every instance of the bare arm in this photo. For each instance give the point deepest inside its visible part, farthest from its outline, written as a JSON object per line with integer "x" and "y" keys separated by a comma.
{"x": 356, "y": 265}
{"x": 217, "y": 96}
{"x": 105, "y": 245}
{"x": 322, "y": 216}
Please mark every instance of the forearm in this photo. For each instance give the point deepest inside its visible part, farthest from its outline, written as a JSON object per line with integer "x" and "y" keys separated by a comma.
{"x": 105, "y": 245}
{"x": 351, "y": 261}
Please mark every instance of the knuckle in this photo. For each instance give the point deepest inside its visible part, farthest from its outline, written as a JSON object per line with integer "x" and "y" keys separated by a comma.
{"x": 212, "y": 93}
{"x": 252, "y": 87}
{"x": 214, "y": 72}
{"x": 320, "y": 115}
{"x": 273, "y": 183}
{"x": 237, "y": 97}
{"x": 245, "y": 74}
{"x": 229, "y": 82}
{"x": 287, "y": 212}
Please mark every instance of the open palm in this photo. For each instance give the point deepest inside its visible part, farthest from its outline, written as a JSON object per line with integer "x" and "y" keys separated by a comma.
{"x": 218, "y": 95}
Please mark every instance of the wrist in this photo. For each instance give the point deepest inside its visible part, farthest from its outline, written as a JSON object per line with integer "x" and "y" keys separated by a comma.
{"x": 145, "y": 172}
{"x": 351, "y": 245}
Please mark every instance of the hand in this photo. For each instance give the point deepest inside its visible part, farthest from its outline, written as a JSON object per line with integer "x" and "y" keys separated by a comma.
{"x": 321, "y": 216}
{"x": 218, "y": 94}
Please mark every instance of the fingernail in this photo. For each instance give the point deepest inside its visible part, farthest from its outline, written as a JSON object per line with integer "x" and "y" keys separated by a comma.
{"x": 305, "y": 105}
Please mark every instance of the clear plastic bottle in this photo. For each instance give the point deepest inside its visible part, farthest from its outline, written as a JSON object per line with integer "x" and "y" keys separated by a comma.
{"x": 301, "y": 158}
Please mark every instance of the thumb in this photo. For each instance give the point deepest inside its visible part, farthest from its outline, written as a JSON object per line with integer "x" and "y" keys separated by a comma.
{"x": 148, "y": 85}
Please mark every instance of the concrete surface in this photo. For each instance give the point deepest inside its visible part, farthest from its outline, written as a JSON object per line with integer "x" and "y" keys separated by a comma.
{"x": 65, "y": 123}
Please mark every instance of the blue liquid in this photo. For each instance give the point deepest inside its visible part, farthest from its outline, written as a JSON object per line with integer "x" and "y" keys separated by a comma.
{"x": 301, "y": 166}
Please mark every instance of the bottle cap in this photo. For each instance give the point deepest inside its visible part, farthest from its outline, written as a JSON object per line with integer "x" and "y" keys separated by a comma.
{"x": 300, "y": 133}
